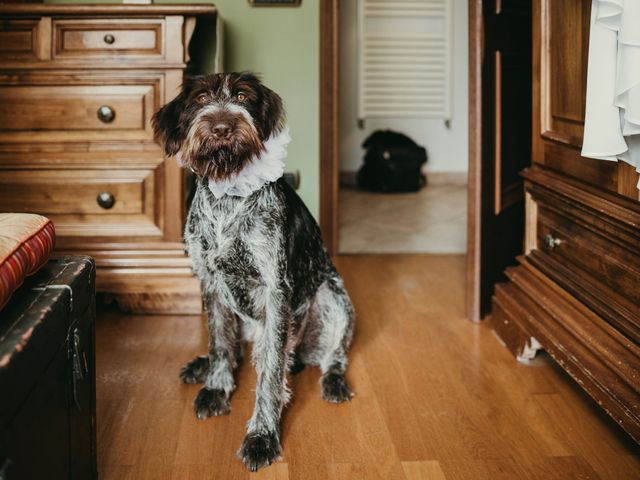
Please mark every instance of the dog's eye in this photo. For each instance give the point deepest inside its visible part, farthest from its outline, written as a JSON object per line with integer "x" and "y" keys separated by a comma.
{"x": 202, "y": 98}
{"x": 241, "y": 97}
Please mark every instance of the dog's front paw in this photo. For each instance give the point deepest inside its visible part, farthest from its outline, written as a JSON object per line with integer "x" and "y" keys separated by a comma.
{"x": 195, "y": 370}
{"x": 210, "y": 403}
{"x": 259, "y": 450}
{"x": 334, "y": 388}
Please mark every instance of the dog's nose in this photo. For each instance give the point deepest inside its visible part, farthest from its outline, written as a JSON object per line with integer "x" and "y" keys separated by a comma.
{"x": 221, "y": 130}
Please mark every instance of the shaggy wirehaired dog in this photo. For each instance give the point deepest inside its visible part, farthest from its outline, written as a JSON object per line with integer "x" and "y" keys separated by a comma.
{"x": 258, "y": 253}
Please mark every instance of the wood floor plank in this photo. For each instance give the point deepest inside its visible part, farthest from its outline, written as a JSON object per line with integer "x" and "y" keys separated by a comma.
{"x": 426, "y": 470}
{"x": 278, "y": 471}
{"x": 116, "y": 472}
{"x": 606, "y": 456}
{"x": 436, "y": 397}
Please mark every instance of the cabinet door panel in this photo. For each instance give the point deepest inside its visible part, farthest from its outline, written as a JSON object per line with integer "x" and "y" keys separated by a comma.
{"x": 561, "y": 50}
{"x": 565, "y": 57}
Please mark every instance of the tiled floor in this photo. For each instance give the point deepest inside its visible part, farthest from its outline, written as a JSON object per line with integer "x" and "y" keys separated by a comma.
{"x": 433, "y": 220}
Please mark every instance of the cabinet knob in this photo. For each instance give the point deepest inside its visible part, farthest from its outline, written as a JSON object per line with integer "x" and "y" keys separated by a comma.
{"x": 109, "y": 39}
{"x": 106, "y": 114}
{"x": 551, "y": 242}
{"x": 106, "y": 200}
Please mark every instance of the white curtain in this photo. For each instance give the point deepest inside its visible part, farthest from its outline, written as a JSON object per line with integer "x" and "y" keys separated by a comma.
{"x": 612, "y": 121}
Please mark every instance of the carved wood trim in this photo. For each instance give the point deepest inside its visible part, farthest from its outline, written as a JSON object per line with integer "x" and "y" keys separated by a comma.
{"x": 617, "y": 311}
{"x": 593, "y": 352}
{"x": 149, "y": 293}
{"x": 497, "y": 149}
{"x": 622, "y": 209}
{"x": 474, "y": 189}
{"x": 189, "y": 27}
{"x": 42, "y": 9}
{"x": 504, "y": 320}
{"x": 531, "y": 223}
{"x": 43, "y": 49}
{"x": 628, "y": 179}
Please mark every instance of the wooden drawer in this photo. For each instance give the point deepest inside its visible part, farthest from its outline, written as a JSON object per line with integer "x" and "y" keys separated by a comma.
{"x": 108, "y": 38}
{"x": 81, "y": 203}
{"x": 62, "y": 106}
{"x": 75, "y": 107}
{"x": 592, "y": 254}
{"x": 24, "y": 39}
{"x": 583, "y": 245}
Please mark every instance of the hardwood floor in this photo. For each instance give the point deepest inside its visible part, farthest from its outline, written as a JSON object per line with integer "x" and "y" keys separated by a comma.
{"x": 437, "y": 397}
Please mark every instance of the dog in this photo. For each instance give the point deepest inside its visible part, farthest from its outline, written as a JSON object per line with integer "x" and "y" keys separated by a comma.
{"x": 258, "y": 253}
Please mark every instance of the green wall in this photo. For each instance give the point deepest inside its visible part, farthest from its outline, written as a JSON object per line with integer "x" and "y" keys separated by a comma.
{"x": 282, "y": 44}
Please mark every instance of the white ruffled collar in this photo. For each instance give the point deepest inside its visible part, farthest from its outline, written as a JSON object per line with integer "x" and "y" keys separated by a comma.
{"x": 268, "y": 167}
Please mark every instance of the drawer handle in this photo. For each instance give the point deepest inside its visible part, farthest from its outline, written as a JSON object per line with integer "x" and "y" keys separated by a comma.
{"x": 106, "y": 114}
{"x": 109, "y": 39}
{"x": 551, "y": 242}
{"x": 106, "y": 200}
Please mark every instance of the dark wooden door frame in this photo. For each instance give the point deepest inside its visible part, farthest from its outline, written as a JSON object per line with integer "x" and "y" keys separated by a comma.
{"x": 499, "y": 143}
{"x": 329, "y": 101}
{"x": 474, "y": 188}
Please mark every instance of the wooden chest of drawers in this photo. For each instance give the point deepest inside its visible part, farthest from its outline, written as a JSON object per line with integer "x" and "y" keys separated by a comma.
{"x": 575, "y": 290}
{"x": 78, "y": 87}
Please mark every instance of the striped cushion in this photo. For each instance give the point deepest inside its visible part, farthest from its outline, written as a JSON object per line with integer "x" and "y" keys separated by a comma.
{"x": 26, "y": 241}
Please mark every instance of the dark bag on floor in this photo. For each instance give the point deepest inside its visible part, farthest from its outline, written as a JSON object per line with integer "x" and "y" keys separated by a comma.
{"x": 392, "y": 163}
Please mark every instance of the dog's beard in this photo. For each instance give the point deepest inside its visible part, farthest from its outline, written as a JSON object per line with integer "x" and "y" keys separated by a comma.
{"x": 217, "y": 159}
{"x": 219, "y": 163}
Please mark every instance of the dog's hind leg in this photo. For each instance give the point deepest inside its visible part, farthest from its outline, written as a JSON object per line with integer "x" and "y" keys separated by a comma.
{"x": 196, "y": 370}
{"x": 297, "y": 365}
{"x": 328, "y": 338}
{"x": 222, "y": 360}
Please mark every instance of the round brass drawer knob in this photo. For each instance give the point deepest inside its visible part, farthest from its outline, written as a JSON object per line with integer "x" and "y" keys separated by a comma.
{"x": 109, "y": 39}
{"x": 106, "y": 200}
{"x": 106, "y": 114}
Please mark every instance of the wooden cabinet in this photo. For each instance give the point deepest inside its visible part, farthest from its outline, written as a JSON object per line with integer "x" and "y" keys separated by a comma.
{"x": 575, "y": 290}
{"x": 78, "y": 87}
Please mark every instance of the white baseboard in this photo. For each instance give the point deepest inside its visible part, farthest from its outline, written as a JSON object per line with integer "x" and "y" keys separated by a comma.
{"x": 447, "y": 178}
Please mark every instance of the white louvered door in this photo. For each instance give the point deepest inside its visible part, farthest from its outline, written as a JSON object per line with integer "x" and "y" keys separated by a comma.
{"x": 404, "y": 58}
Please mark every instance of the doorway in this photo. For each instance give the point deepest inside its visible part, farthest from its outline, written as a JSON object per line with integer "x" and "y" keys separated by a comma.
{"x": 499, "y": 137}
{"x": 373, "y": 217}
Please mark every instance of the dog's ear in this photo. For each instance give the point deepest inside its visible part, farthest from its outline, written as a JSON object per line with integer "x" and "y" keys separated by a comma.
{"x": 168, "y": 126}
{"x": 273, "y": 116}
